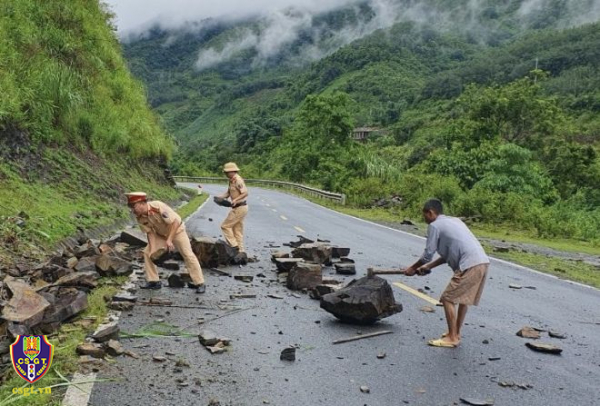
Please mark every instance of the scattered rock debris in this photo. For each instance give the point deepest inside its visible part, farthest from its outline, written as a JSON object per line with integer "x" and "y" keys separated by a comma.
{"x": 477, "y": 402}
{"x": 528, "y": 332}
{"x": 542, "y": 347}
{"x": 288, "y": 354}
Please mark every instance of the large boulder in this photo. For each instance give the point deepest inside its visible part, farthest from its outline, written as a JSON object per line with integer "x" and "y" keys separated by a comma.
{"x": 339, "y": 252}
{"x": 107, "y": 265}
{"x": 134, "y": 237}
{"x": 212, "y": 252}
{"x": 25, "y": 309}
{"x": 304, "y": 276}
{"x": 286, "y": 264}
{"x": 362, "y": 301}
{"x": 318, "y": 253}
{"x": 65, "y": 303}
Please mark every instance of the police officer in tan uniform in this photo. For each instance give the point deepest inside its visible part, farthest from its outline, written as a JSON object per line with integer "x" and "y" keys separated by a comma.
{"x": 233, "y": 226}
{"x": 164, "y": 229}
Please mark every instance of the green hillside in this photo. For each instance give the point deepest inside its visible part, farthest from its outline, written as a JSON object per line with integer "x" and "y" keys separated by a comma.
{"x": 75, "y": 127}
{"x": 491, "y": 109}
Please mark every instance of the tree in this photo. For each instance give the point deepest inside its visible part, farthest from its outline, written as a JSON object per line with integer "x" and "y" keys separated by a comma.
{"x": 326, "y": 118}
{"x": 517, "y": 112}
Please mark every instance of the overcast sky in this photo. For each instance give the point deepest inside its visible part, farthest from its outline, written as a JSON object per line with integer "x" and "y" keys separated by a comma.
{"x": 137, "y": 14}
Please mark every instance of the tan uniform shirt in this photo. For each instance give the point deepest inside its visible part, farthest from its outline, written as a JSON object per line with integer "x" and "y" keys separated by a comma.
{"x": 159, "y": 219}
{"x": 237, "y": 186}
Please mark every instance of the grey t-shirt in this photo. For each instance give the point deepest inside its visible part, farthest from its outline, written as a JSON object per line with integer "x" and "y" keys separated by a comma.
{"x": 454, "y": 242}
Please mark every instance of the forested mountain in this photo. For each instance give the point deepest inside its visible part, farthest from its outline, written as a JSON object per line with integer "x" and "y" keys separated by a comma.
{"x": 491, "y": 104}
{"x": 75, "y": 127}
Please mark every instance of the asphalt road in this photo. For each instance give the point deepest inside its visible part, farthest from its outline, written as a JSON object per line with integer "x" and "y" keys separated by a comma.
{"x": 412, "y": 373}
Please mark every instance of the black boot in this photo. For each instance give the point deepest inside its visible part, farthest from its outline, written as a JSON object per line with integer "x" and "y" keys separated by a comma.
{"x": 201, "y": 288}
{"x": 152, "y": 285}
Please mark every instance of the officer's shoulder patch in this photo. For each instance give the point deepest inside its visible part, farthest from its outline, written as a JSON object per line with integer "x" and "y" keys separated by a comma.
{"x": 154, "y": 207}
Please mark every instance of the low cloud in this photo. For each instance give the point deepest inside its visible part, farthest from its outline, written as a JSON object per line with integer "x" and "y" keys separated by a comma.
{"x": 279, "y": 23}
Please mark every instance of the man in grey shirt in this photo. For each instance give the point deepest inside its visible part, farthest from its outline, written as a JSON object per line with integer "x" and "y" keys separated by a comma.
{"x": 458, "y": 247}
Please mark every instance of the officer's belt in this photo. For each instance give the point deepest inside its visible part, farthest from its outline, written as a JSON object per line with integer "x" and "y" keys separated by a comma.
{"x": 241, "y": 204}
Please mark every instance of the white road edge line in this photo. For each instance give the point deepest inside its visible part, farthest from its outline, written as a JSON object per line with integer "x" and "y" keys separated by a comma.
{"x": 78, "y": 394}
{"x": 492, "y": 258}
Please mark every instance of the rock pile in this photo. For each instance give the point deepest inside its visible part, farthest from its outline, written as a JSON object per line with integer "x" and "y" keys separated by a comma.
{"x": 38, "y": 298}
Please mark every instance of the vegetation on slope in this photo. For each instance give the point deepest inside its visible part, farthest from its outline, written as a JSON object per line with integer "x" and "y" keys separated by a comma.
{"x": 467, "y": 117}
{"x": 75, "y": 127}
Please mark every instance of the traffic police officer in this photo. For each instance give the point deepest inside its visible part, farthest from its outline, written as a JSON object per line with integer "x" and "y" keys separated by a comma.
{"x": 233, "y": 225}
{"x": 164, "y": 229}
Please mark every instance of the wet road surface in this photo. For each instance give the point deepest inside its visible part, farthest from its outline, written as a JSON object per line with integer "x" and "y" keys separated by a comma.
{"x": 412, "y": 373}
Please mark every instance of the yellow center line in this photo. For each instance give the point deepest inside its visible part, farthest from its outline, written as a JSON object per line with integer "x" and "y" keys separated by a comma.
{"x": 283, "y": 217}
{"x": 267, "y": 204}
{"x": 417, "y": 293}
{"x": 299, "y": 229}
{"x": 274, "y": 210}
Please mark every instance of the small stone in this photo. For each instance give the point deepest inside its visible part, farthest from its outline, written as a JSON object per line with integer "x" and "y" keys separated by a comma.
{"x": 288, "y": 354}
{"x": 182, "y": 363}
{"x": 216, "y": 349}
{"x": 273, "y": 296}
{"x": 515, "y": 286}
{"x": 528, "y": 332}
{"x": 158, "y": 358}
{"x": 244, "y": 278}
{"x": 72, "y": 262}
{"x": 208, "y": 338}
{"x": 558, "y": 335}
{"x": 114, "y": 348}
{"x": 548, "y": 348}
{"x": 91, "y": 349}
{"x": 477, "y": 402}
{"x": 427, "y": 309}
{"x": 106, "y": 332}
{"x": 494, "y": 358}
{"x": 486, "y": 341}
{"x": 381, "y": 355}
{"x": 175, "y": 281}
{"x": 365, "y": 389}
{"x": 131, "y": 354}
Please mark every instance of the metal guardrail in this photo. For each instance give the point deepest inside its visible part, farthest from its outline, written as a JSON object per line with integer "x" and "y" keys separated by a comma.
{"x": 336, "y": 197}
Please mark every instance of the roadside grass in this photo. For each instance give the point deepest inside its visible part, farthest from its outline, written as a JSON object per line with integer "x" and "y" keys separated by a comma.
{"x": 40, "y": 206}
{"x": 576, "y": 271}
{"x": 193, "y": 204}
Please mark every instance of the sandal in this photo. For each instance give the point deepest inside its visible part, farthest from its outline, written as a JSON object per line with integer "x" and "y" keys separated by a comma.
{"x": 441, "y": 343}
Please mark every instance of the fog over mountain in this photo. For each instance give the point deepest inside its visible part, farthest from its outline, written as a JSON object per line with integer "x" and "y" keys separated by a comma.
{"x": 266, "y": 27}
